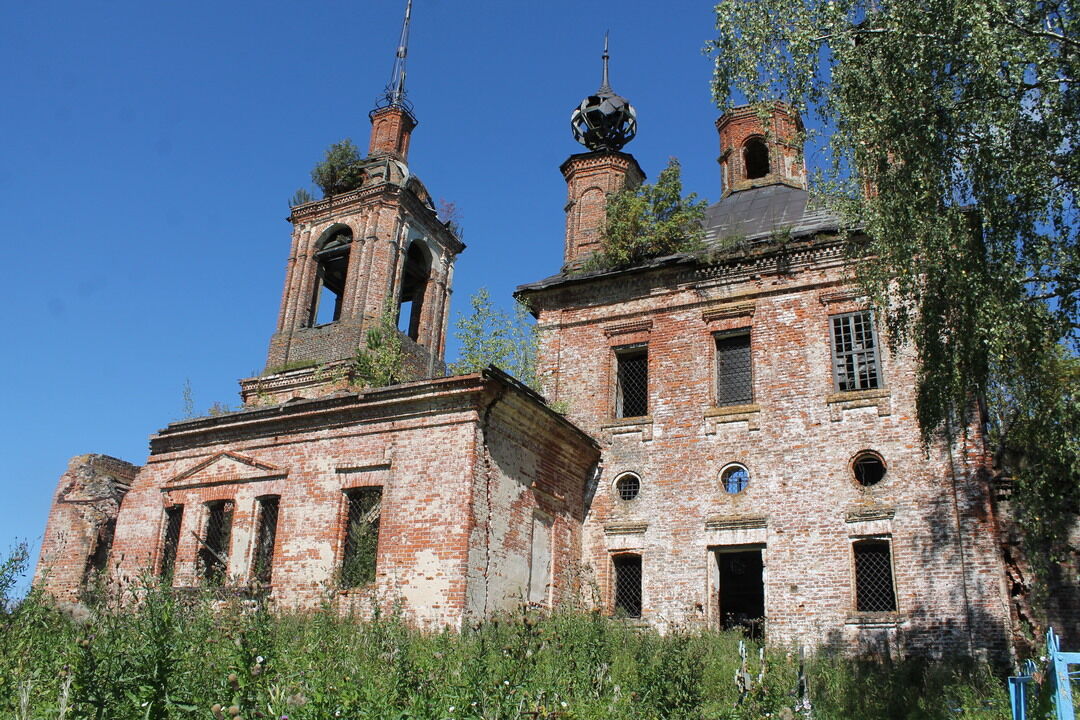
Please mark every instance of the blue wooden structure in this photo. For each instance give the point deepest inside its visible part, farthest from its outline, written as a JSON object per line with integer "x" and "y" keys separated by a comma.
{"x": 1058, "y": 681}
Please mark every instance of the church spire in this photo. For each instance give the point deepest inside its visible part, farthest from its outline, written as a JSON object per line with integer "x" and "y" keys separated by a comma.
{"x": 394, "y": 96}
{"x": 605, "y": 86}
{"x": 392, "y": 120}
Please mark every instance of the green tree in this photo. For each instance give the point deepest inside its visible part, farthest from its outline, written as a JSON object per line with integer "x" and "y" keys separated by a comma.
{"x": 382, "y": 361}
{"x": 650, "y": 221}
{"x": 341, "y": 169}
{"x": 952, "y": 127}
{"x": 491, "y": 336}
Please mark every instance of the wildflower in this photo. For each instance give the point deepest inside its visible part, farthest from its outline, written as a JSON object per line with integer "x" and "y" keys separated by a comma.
{"x": 506, "y": 682}
{"x": 259, "y": 659}
{"x": 451, "y": 708}
{"x": 563, "y": 703}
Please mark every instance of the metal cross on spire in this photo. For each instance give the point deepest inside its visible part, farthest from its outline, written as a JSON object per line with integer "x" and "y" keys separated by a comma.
{"x": 395, "y": 89}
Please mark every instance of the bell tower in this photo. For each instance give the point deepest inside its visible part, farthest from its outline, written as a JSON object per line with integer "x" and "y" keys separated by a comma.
{"x": 379, "y": 247}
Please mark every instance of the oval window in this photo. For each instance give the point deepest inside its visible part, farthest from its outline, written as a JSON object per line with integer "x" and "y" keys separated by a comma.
{"x": 628, "y": 486}
{"x": 734, "y": 478}
{"x": 868, "y": 468}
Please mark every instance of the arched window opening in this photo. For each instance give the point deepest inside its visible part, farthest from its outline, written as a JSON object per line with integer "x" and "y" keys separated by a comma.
{"x": 414, "y": 280}
{"x": 628, "y": 486}
{"x": 734, "y": 478}
{"x": 333, "y": 264}
{"x": 756, "y": 158}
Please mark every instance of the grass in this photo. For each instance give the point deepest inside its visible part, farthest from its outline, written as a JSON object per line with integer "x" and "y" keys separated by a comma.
{"x": 153, "y": 654}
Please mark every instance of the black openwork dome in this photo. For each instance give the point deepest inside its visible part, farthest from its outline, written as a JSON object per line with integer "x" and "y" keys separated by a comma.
{"x": 604, "y": 121}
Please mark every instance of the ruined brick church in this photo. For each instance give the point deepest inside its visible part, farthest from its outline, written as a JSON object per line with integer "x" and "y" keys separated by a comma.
{"x": 737, "y": 447}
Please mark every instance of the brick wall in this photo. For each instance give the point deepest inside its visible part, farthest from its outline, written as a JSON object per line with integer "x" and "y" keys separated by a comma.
{"x": 802, "y": 507}
{"x": 87, "y": 497}
{"x": 466, "y": 466}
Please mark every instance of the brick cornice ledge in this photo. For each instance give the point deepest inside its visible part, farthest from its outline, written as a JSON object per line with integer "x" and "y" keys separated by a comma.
{"x": 736, "y": 523}
{"x": 626, "y": 528}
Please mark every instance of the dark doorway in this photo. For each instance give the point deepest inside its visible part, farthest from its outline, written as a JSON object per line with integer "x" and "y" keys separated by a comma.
{"x": 741, "y": 590}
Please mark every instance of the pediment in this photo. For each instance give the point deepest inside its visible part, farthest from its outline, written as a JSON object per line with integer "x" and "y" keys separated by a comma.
{"x": 226, "y": 467}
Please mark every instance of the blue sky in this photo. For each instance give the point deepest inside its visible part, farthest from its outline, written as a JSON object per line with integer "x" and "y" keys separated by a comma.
{"x": 150, "y": 148}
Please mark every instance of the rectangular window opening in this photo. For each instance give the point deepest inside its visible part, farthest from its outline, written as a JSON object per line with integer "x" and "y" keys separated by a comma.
{"x": 173, "y": 517}
{"x": 632, "y": 382}
{"x": 361, "y": 536}
{"x": 266, "y": 535}
{"x": 734, "y": 370}
{"x": 854, "y": 345}
{"x": 214, "y": 550}
{"x": 873, "y": 577}
{"x": 627, "y": 585}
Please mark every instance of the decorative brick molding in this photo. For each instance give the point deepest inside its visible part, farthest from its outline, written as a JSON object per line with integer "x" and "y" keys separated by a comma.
{"x": 716, "y": 416}
{"x": 626, "y": 528}
{"x": 838, "y": 402}
{"x": 625, "y": 328}
{"x": 736, "y": 523}
{"x": 729, "y": 310}
{"x": 641, "y": 425}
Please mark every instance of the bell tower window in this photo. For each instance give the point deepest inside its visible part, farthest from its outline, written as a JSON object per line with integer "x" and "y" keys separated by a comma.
{"x": 332, "y": 258}
{"x": 756, "y": 158}
{"x": 414, "y": 281}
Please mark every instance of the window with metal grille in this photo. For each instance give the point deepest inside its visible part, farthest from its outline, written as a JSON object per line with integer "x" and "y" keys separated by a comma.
{"x": 361, "y": 536}
{"x": 627, "y": 585}
{"x": 628, "y": 486}
{"x": 632, "y": 391}
{"x": 734, "y": 375}
{"x": 263, "y": 563}
{"x": 173, "y": 516}
{"x": 855, "y": 359}
{"x": 735, "y": 478}
{"x": 98, "y": 560}
{"x": 214, "y": 545}
{"x": 873, "y": 576}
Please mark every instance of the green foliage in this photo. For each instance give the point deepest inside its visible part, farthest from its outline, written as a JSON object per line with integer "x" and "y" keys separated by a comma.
{"x": 291, "y": 365}
{"x": 301, "y": 196}
{"x": 650, "y": 221}
{"x": 341, "y": 169}
{"x": 168, "y": 656}
{"x": 938, "y": 107}
{"x": 12, "y": 568}
{"x": 381, "y": 361}
{"x": 490, "y": 336}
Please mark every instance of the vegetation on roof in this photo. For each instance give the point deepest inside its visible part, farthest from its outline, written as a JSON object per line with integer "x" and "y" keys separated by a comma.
{"x": 341, "y": 170}
{"x": 650, "y": 221}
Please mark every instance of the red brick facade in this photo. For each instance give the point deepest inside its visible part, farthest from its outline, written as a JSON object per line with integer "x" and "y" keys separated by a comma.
{"x": 730, "y": 505}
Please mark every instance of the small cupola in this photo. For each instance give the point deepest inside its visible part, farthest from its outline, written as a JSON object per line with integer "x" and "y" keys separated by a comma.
{"x": 761, "y": 145}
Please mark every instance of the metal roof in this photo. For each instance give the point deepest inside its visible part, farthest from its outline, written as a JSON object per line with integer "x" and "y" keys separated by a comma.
{"x": 758, "y": 213}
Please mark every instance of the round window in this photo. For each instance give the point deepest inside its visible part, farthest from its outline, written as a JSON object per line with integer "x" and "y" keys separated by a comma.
{"x": 628, "y": 486}
{"x": 868, "y": 468}
{"x": 735, "y": 478}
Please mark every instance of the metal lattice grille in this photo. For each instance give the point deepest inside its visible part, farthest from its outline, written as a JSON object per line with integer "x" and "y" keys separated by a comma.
{"x": 214, "y": 550}
{"x": 361, "y": 536}
{"x": 633, "y": 383}
{"x": 734, "y": 376}
{"x": 855, "y": 363}
{"x": 873, "y": 577}
{"x": 264, "y": 539}
{"x": 629, "y": 486}
{"x": 627, "y": 585}
{"x": 173, "y": 516}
